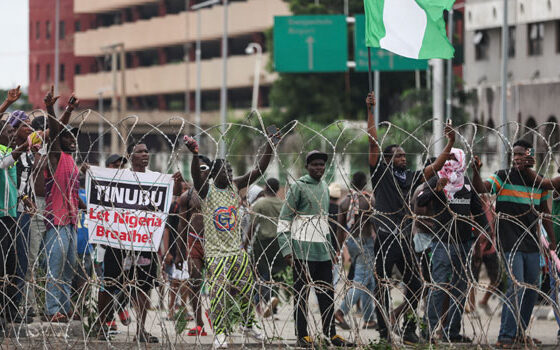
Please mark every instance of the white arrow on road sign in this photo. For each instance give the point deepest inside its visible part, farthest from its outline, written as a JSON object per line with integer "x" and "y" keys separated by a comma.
{"x": 310, "y": 42}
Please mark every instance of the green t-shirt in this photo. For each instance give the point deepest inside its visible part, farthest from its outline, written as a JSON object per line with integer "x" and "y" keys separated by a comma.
{"x": 264, "y": 217}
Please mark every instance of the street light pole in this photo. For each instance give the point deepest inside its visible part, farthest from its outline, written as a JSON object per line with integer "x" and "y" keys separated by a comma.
{"x": 251, "y": 49}
{"x": 56, "y": 52}
{"x": 505, "y": 56}
{"x": 198, "y": 54}
{"x": 223, "y": 92}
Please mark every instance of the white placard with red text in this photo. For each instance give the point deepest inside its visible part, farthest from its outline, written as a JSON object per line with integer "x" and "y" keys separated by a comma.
{"x": 127, "y": 209}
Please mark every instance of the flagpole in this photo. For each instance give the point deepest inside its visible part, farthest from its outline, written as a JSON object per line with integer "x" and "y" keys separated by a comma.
{"x": 374, "y": 88}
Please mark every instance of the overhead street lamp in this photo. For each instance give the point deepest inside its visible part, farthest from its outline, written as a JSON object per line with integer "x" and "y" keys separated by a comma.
{"x": 198, "y": 54}
{"x": 255, "y": 48}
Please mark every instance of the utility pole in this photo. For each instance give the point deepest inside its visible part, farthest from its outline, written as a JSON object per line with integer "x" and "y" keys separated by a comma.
{"x": 198, "y": 54}
{"x": 187, "y": 61}
{"x": 223, "y": 92}
{"x": 56, "y": 52}
{"x": 505, "y": 57}
{"x": 118, "y": 127}
{"x": 449, "y": 62}
{"x": 122, "y": 126}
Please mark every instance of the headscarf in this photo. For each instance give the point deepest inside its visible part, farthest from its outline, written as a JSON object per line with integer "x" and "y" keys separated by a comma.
{"x": 454, "y": 171}
{"x": 17, "y": 117}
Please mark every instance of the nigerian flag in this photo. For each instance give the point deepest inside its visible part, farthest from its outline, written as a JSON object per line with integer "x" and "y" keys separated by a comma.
{"x": 410, "y": 28}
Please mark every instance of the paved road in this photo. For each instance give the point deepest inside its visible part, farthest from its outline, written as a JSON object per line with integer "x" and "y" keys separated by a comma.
{"x": 483, "y": 330}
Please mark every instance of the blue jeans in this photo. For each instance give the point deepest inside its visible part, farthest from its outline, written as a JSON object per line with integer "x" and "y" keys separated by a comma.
{"x": 60, "y": 247}
{"x": 22, "y": 248}
{"x": 449, "y": 275}
{"x": 518, "y": 307}
{"x": 363, "y": 287}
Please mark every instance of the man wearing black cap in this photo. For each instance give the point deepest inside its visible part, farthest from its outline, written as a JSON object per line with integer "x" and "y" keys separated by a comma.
{"x": 115, "y": 161}
{"x": 304, "y": 239}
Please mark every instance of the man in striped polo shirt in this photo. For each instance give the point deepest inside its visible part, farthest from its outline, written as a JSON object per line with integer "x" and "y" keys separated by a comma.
{"x": 519, "y": 202}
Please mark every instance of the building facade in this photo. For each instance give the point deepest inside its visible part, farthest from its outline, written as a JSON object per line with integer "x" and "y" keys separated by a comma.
{"x": 42, "y": 31}
{"x": 533, "y": 83}
{"x": 157, "y": 35}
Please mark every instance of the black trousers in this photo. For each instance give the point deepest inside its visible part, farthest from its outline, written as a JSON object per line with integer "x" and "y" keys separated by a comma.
{"x": 390, "y": 251}
{"x": 8, "y": 267}
{"x": 317, "y": 274}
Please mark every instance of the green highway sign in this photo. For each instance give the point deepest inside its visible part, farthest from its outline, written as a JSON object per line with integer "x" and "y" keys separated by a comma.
{"x": 309, "y": 44}
{"x": 381, "y": 60}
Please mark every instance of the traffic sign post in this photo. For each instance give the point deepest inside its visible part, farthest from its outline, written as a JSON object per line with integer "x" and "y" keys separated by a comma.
{"x": 381, "y": 60}
{"x": 310, "y": 44}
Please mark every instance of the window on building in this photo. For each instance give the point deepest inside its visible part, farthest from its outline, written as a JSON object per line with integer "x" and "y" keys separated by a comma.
{"x": 77, "y": 26}
{"x": 48, "y": 74}
{"x": 37, "y": 72}
{"x": 62, "y": 72}
{"x": 37, "y": 30}
{"x": 77, "y": 69}
{"x": 511, "y": 48}
{"x": 48, "y": 30}
{"x": 481, "y": 45}
{"x": 535, "y": 37}
{"x": 62, "y": 30}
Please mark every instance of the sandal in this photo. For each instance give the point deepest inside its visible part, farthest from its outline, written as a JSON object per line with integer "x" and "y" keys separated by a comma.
{"x": 146, "y": 337}
{"x": 370, "y": 325}
{"x": 196, "y": 332}
{"x": 506, "y": 344}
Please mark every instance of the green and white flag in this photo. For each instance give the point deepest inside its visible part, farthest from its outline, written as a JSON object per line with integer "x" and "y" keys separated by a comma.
{"x": 410, "y": 28}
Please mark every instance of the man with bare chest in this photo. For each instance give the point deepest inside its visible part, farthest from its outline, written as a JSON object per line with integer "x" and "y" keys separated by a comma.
{"x": 191, "y": 228}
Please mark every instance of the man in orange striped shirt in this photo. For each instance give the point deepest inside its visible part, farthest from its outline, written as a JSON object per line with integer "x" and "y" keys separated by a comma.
{"x": 519, "y": 201}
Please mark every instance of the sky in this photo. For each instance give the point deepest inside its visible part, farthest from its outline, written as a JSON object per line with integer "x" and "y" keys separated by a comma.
{"x": 14, "y": 51}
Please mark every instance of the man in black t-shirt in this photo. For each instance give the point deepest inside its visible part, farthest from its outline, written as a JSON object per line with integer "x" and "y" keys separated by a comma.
{"x": 453, "y": 202}
{"x": 520, "y": 199}
{"x": 393, "y": 184}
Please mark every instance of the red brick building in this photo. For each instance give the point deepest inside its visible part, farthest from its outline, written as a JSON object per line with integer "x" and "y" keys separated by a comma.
{"x": 42, "y": 48}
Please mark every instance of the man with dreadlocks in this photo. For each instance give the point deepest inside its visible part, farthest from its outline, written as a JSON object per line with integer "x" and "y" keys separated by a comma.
{"x": 393, "y": 184}
{"x": 229, "y": 273}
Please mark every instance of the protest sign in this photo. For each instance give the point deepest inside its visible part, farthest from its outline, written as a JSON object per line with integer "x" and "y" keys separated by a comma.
{"x": 127, "y": 209}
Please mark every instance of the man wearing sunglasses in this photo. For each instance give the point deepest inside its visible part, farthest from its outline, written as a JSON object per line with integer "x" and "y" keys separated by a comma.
{"x": 191, "y": 227}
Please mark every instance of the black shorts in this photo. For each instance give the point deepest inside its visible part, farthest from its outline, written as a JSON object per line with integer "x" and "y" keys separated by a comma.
{"x": 493, "y": 267}
{"x": 141, "y": 276}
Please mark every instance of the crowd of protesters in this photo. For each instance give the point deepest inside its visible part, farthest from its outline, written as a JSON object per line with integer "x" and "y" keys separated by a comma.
{"x": 238, "y": 240}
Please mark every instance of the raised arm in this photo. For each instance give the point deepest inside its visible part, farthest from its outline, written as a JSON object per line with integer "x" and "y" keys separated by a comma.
{"x": 200, "y": 186}
{"x": 341, "y": 232}
{"x": 372, "y": 131}
{"x": 13, "y": 96}
{"x": 479, "y": 185}
{"x": 54, "y": 129}
{"x": 436, "y": 166}
{"x": 548, "y": 226}
{"x": 264, "y": 159}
